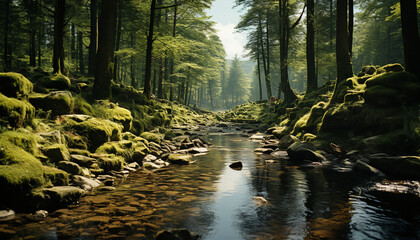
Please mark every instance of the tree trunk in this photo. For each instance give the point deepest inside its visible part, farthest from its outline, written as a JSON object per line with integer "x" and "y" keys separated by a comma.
{"x": 148, "y": 70}
{"x": 103, "y": 72}
{"x": 289, "y": 95}
{"x": 259, "y": 72}
{"x": 32, "y": 13}
{"x": 93, "y": 36}
{"x": 40, "y": 35}
{"x": 265, "y": 62}
{"x": 80, "y": 47}
{"x": 312, "y": 84}
{"x": 410, "y": 36}
{"x": 268, "y": 78}
{"x": 171, "y": 91}
{"x": 6, "y": 36}
{"x": 331, "y": 26}
{"x": 344, "y": 66}
{"x": 351, "y": 24}
{"x": 117, "y": 42}
{"x": 132, "y": 68}
{"x": 58, "y": 53}
{"x": 72, "y": 42}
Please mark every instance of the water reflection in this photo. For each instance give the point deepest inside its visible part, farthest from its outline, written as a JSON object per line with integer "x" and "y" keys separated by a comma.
{"x": 217, "y": 202}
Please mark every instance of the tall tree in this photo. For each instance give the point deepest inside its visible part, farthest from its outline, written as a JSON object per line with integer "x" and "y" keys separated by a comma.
{"x": 103, "y": 72}
{"x": 344, "y": 66}
{"x": 410, "y": 36}
{"x": 6, "y": 36}
{"x": 150, "y": 39}
{"x": 312, "y": 84}
{"x": 93, "y": 36}
{"x": 351, "y": 26}
{"x": 58, "y": 52}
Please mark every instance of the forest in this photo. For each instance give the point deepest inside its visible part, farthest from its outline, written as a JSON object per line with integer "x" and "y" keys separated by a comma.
{"x": 126, "y": 119}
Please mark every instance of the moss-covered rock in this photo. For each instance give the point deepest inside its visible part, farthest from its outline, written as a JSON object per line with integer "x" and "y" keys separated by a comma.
{"x": 75, "y": 141}
{"x": 15, "y": 85}
{"x": 56, "y": 81}
{"x": 113, "y": 112}
{"x": 56, "y": 153}
{"x": 348, "y": 118}
{"x": 58, "y": 102}
{"x": 393, "y": 67}
{"x": 97, "y": 131}
{"x": 396, "y": 88}
{"x": 152, "y": 137}
{"x": 56, "y": 176}
{"x": 81, "y": 106}
{"x": 180, "y": 159}
{"x": 55, "y": 197}
{"x": 131, "y": 151}
{"x": 70, "y": 167}
{"x": 20, "y": 172}
{"x": 402, "y": 167}
{"x": 395, "y": 143}
{"x": 109, "y": 162}
{"x": 26, "y": 141}
{"x": 15, "y": 113}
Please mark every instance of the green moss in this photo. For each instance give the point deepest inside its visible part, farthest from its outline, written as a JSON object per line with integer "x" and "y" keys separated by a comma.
{"x": 20, "y": 172}
{"x": 131, "y": 151}
{"x": 81, "y": 106}
{"x": 26, "y": 141}
{"x": 393, "y": 67}
{"x": 57, "y": 81}
{"x": 109, "y": 162}
{"x": 56, "y": 153}
{"x": 56, "y": 176}
{"x": 113, "y": 112}
{"x": 59, "y": 102}
{"x": 75, "y": 141}
{"x": 15, "y": 85}
{"x": 152, "y": 137}
{"x": 395, "y": 143}
{"x": 96, "y": 130}
{"x": 14, "y": 112}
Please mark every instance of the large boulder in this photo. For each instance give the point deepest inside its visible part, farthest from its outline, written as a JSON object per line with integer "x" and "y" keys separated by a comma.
{"x": 132, "y": 151}
{"x": 97, "y": 131}
{"x": 180, "y": 159}
{"x": 58, "y": 102}
{"x": 113, "y": 112}
{"x": 395, "y": 143}
{"x": 392, "y": 89}
{"x": 56, "y": 81}
{"x": 56, "y": 197}
{"x": 70, "y": 167}
{"x": 109, "y": 162}
{"x": 15, "y": 112}
{"x": 176, "y": 234}
{"x": 15, "y": 85}
{"x": 304, "y": 151}
{"x": 286, "y": 141}
{"x": 20, "y": 172}
{"x": 56, "y": 176}
{"x": 152, "y": 137}
{"x": 56, "y": 153}
{"x": 401, "y": 167}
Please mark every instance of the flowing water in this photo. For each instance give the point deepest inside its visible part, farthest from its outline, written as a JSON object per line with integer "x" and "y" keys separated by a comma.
{"x": 216, "y": 202}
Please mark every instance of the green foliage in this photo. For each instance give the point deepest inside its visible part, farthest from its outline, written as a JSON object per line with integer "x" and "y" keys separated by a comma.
{"x": 15, "y": 85}
{"x": 15, "y": 112}
{"x": 132, "y": 151}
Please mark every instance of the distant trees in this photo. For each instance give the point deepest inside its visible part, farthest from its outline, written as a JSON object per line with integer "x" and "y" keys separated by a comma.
{"x": 59, "y": 22}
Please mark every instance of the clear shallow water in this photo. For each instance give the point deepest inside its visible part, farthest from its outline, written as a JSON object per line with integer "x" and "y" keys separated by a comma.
{"x": 216, "y": 202}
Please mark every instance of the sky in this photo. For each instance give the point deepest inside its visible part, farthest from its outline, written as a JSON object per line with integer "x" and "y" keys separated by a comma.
{"x": 226, "y": 18}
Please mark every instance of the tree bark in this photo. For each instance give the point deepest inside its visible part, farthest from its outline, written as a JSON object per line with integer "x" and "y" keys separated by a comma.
{"x": 32, "y": 13}
{"x": 80, "y": 48}
{"x": 171, "y": 62}
{"x": 103, "y": 72}
{"x": 312, "y": 84}
{"x": 410, "y": 36}
{"x": 93, "y": 36}
{"x": 148, "y": 70}
{"x": 117, "y": 42}
{"x": 265, "y": 62}
{"x": 344, "y": 66}
{"x": 259, "y": 72}
{"x": 289, "y": 95}
{"x": 351, "y": 25}
{"x": 132, "y": 60}
{"x": 6, "y": 36}
{"x": 58, "y": 53}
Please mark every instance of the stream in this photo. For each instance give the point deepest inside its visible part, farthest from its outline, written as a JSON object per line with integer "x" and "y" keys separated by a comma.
{"x": 216, "y": 202}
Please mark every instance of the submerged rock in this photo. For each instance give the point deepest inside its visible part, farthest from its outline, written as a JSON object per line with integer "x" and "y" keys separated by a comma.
{"x": 236, "y": 165}
{"x": 264, "y": 150}
{"x": 176, "y": 234}
{"x": 304, "y": 151}
{"x": 260, "y": 201}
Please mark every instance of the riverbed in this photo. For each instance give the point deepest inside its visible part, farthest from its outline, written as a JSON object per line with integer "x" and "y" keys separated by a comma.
{"x": 216, "y": 202}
